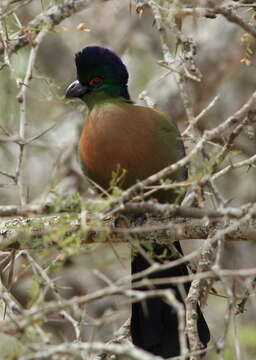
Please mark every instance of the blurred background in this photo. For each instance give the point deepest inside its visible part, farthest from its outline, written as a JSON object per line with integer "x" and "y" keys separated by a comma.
{"x": 51, "y": 161}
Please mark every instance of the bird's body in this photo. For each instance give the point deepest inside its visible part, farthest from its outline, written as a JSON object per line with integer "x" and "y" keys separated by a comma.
{"x": 117, "y": 136}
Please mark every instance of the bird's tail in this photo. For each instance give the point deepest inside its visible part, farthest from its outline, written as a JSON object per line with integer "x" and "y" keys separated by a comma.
{"x": 154, "y": 323}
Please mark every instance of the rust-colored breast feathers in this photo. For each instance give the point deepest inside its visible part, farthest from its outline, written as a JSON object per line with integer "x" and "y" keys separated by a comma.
{"x": 123, "y": 136}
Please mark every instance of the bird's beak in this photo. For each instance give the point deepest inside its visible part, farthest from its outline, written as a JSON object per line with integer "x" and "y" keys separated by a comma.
{"x": 76, "y": 89}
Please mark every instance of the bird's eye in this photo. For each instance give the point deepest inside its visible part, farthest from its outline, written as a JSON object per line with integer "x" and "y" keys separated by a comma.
{"x": 95, "y": 82}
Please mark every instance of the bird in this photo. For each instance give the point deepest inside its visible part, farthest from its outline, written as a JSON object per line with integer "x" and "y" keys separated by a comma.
{"x": 119, "y": 135}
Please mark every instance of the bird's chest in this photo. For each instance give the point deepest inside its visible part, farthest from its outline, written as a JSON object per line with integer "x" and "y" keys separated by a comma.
{"x": 114, "y": 147}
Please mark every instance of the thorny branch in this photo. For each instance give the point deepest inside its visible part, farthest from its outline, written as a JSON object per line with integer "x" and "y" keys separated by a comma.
{"x": 215, "y": 225}
{"x": 22, "y": 99}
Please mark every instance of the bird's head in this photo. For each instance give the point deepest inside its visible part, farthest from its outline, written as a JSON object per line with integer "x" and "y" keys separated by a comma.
{"x": 99, "y": 71}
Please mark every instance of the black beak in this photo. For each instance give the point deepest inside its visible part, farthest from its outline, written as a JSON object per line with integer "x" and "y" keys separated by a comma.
{"x": 76, "y": 89}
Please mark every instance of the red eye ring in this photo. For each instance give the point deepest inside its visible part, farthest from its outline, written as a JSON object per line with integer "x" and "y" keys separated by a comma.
{"x": 95, "y": 82}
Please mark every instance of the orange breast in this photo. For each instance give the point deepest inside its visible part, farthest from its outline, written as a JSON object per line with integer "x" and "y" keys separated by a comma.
{"x": 124, "y": 136}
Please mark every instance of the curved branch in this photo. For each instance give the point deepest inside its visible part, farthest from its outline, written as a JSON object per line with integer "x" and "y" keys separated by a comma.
{"x": 50, "y": 18}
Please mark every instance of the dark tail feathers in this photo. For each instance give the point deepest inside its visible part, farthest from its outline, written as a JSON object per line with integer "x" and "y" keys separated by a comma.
{"x": 154, "y": 324}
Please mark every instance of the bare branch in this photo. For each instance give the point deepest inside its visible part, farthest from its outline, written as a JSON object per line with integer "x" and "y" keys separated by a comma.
{"x": 52, "y": 17}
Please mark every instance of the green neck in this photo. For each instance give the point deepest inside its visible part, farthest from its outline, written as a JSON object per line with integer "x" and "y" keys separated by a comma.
{"x": 95, "y": 99}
